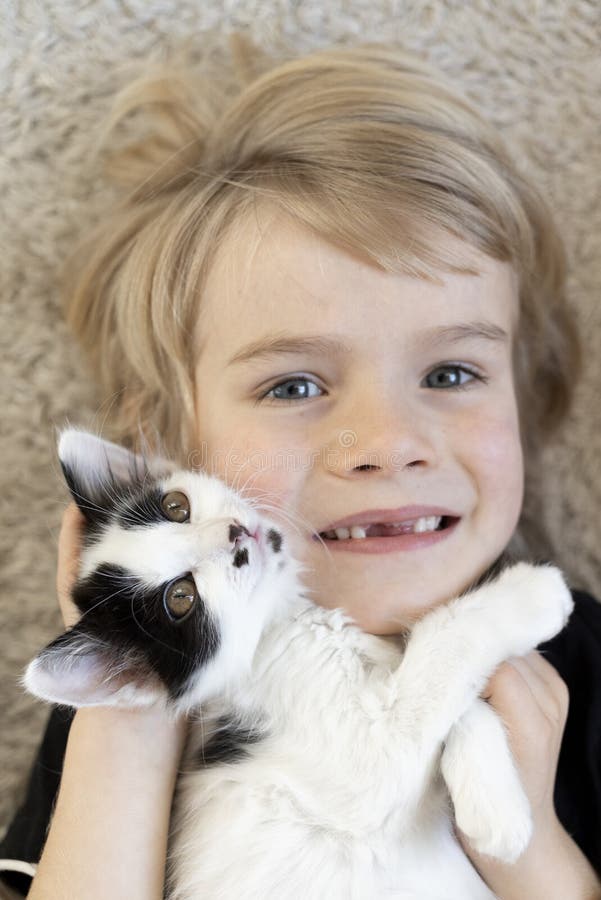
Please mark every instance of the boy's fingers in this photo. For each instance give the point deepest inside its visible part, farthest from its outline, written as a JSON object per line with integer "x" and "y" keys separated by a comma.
{"x": 545, "y": 683}
{"x": 69, "y": 544}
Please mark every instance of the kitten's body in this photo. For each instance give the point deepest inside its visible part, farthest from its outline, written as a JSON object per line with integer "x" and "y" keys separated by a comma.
{"x": 336, "y": 801}
{"x": 322, "y": 761}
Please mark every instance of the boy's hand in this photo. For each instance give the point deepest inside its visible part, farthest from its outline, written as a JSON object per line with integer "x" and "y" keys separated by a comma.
{"x": 532, "y": 700}
{"x": 69, "y": 548}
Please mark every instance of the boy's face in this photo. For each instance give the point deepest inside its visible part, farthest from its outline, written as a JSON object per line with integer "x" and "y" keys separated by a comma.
{"x": 383, "y": 404}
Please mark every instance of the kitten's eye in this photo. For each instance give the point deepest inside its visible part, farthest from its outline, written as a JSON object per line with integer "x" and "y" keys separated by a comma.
{"x": 179, "y": 598}
{"x": 176, "y": 506}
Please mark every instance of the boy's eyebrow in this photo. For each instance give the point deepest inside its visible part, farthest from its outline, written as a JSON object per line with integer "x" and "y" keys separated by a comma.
{"x": 325, "y": 344}
{"x": 329, "y": 345}
{"x": 452, "y": 334}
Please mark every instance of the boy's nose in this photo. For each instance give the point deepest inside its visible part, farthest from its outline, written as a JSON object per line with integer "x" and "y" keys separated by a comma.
{"x": 387, "y": 437}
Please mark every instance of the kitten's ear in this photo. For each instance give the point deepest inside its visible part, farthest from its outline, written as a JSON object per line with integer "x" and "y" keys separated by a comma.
{"x": 75, "y": 670}
{"x": 96, "y": 470}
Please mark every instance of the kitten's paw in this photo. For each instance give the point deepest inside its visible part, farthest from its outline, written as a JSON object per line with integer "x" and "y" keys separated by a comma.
{"x": 538, "y": 600}
{"x": 497, "y": 822}
{"x": 491, "y": 808}
{"x": 505, "y": 841}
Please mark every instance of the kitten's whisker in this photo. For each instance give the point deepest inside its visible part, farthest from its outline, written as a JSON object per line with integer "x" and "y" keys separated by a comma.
{"x": 101, "y": 601}
{"x": 116, "y": 575}
{"x": 251, "y": 474}
{"x": 263, "y": 505}
{"x": 153, "y": 637}
{"x": 292, "y": 515}
{"x": 88, "y": 504}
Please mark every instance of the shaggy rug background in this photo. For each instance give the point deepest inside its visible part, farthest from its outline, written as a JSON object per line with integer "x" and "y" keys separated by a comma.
{"x": 533, "y": 66}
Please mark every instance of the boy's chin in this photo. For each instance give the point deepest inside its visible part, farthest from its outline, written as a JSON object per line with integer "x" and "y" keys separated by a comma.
{"x": 383, "y": 601}
{"x": 384, "y": 613}
{"x": 387, "y": 622}
{"x": 380, "y": 619}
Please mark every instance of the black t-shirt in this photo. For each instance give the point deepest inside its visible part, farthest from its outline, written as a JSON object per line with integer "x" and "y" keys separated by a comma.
{"x": 576, "y": 655}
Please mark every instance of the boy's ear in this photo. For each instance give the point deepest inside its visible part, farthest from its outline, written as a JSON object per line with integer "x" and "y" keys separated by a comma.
{"x": 76, "y": 670}
{"x": 97, "y": 471}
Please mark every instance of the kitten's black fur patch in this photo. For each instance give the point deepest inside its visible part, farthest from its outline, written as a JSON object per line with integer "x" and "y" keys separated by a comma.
{"x": 133, "y": 505}
{"x": 235, "y": 531}
{"x": 142, "y": 508}
{"x": 227, "y": 745}
{"x": 241, "y": 558}
{"x": 275, "y": 539}
{"x": 128, "y": 618}
{"x": 94, "y": 510}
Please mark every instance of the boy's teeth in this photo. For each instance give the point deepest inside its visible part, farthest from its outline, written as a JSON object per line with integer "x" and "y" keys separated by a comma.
{"x": 358, "y": 532}
{"x": 428, "y": 523}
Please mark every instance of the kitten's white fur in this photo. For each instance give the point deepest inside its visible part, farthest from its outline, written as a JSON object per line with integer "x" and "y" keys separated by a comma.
{"x": 345, "y": 799}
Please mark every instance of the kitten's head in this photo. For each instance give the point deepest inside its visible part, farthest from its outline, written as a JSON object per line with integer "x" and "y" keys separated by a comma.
{"x": 179, "y": 575}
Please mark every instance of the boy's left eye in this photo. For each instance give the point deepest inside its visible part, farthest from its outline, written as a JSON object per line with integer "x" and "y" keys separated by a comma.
{"x": 451, "y": 376}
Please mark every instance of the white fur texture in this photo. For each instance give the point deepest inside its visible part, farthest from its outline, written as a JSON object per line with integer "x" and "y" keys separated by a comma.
{"x": 344, "y": 799}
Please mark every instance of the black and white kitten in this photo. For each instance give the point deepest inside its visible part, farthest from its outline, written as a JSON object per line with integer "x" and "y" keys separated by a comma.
{"x": 322, "y": 762}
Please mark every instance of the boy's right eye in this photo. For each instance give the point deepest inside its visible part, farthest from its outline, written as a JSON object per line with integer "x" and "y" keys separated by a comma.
{"x": 292, "y": 394}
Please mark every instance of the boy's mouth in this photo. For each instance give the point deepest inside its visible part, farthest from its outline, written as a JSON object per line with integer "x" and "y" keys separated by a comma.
{"x": 359, "y": 532}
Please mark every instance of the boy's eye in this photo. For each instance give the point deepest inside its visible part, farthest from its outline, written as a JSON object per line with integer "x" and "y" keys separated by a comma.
{"x": 299, "y": 387}
{"x": 451, "y": 376}
{"x": 292, "y": 389}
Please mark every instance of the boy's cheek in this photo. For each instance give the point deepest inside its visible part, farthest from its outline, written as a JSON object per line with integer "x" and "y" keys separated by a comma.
{"x": 255, "y": 465}
{"x": 494, "y": 456}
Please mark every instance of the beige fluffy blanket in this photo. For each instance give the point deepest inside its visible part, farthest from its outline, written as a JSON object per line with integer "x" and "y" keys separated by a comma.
{"x": 533, "y": 66}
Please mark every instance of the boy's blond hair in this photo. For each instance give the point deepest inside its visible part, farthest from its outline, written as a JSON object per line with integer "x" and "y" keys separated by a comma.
{"x": 366, "y": 145}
